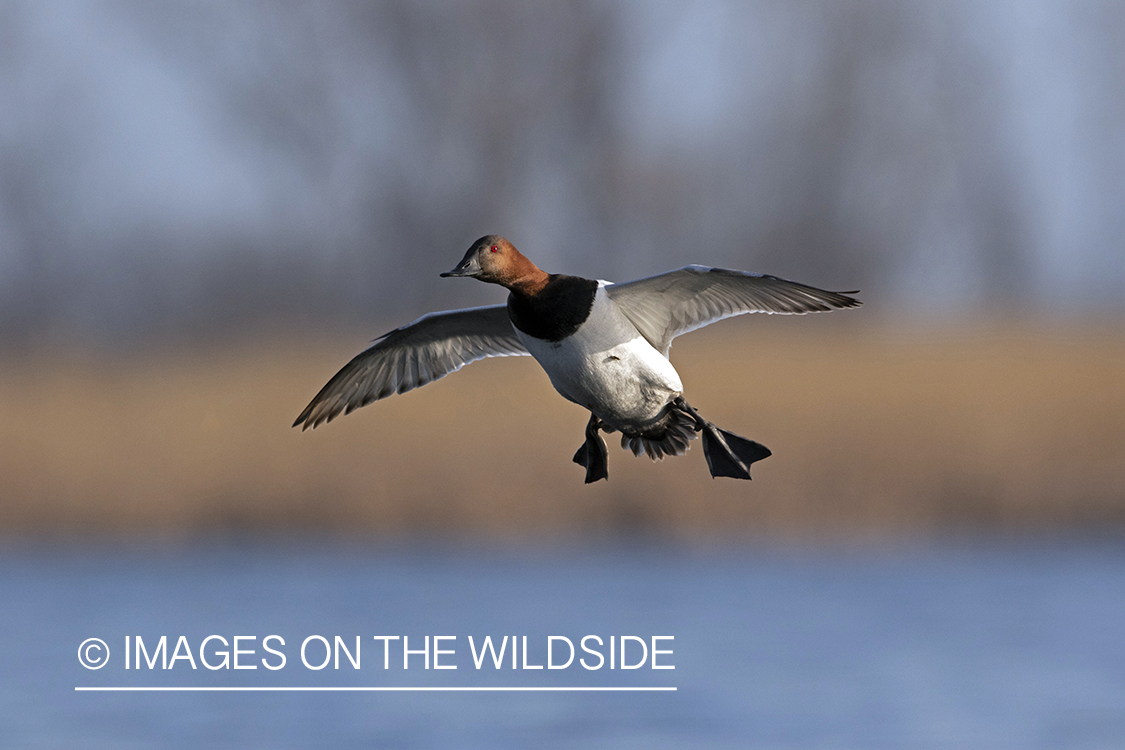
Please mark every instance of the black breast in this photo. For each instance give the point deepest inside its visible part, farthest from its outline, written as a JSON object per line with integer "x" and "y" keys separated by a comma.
{"x": 557, "y": 310}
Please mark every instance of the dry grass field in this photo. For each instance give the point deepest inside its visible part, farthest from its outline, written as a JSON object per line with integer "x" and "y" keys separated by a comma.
{"x": 876, "y": 430}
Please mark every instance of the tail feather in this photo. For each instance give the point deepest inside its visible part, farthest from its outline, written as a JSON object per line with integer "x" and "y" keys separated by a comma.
{"x": 674, "y": 442}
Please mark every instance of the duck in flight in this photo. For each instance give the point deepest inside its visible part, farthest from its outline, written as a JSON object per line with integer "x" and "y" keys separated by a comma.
{"x": 604, "y": 346}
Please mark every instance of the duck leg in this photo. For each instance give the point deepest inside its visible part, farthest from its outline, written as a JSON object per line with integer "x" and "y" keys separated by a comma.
{"x": 728, "y": 455}
{"x": 593, "y": 454}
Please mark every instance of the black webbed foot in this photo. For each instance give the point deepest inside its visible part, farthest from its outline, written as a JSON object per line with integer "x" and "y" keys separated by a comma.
{"x": 593, "y": 454}
{"x": 728, "y": 455}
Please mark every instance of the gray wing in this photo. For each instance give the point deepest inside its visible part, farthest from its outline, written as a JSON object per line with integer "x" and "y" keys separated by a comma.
{"x": 662, "y": 307}
{"x": 427, "y": 349}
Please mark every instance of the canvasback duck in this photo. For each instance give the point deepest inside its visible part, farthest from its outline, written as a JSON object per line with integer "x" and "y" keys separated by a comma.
{"x": 604, "y": 346}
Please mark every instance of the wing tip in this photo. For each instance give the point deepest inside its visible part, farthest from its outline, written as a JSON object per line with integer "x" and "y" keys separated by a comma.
{"x": 314, "y": 416}
{"x": 304, "y": 421}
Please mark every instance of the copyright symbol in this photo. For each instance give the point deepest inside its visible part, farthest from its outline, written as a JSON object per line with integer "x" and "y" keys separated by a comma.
{"x": 93, "y": 653}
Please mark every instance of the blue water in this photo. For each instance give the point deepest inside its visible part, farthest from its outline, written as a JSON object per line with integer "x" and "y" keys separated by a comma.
{"x": 962, "y": 645}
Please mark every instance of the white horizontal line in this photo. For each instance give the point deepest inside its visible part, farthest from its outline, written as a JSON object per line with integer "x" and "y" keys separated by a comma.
{"x": 382, "y": 689}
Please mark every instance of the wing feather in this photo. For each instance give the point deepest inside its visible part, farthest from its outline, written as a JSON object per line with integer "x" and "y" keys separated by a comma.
{"x": 412, "y": 356}
{"x": 665, "y": 306}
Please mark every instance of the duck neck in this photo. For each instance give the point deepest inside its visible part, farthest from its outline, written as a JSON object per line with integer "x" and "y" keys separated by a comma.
{"x": 526, "y": 279}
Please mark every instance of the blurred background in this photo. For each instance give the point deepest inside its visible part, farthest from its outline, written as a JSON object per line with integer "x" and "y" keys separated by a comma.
{"x": 207, "y": 208}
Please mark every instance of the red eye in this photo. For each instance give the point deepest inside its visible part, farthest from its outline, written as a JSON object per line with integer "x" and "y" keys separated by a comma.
{"x": 494, "y": 248}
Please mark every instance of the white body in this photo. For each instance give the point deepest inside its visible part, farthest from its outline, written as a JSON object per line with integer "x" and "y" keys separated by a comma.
{"x": 607, "y": 367}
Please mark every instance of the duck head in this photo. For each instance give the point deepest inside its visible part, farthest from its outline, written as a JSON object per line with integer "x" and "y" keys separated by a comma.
{"x": 495, "y": 260}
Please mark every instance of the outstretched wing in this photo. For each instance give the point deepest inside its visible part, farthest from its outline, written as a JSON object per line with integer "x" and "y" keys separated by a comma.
{"x": 662, "y": 307}
{"x": 429, "y": 348}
